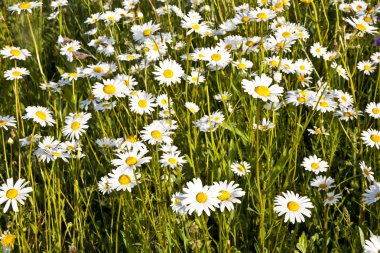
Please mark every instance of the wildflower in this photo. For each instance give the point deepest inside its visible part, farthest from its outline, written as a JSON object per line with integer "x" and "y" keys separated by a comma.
{"x": 294, "y": 206}
{"x": 40, "y": 115}
{"x": 104, "y": 185}
{"x": 15, "y": 53}
{"x": 142, "y": 103}
{"x": 372, "y": 245}
{"x": 24, "y": 6}
{"x": 332, "y": 198}
{"x": 7, "y": 240}
{"x": 177, "y": 205}
{"x": 241, "y": 168}
{"x": 155, "y": 133}
{"x": 367, "y": 171}
{"x": 168, "y": 72}
{"x": 361, "y": 25}
{"x": 261, "y": 88}
{"x": 229, "y": 194}
{"x": 318, "y": 131}
{"x": 371, "y": 137}
{"x": 323, "y": 183}
{"x": 123, "y": 179}
{"x": 315, "y": 164}
{"x": 13, "y": 193}
{"x": 192, "y": 107}
{"x": 373, "y": 109}
{"x": 367, "y": 67}
{"x": 265, "y": 125}
{"x": 172, "y": 159}
{"x": 7, "y": 121}
{"x": 108, "y": 89}
{"x": 131, "y": 159}
{"x": 16, "y": 73}
{"x": 372, "y": 194}
{"x": 200, "y": 198}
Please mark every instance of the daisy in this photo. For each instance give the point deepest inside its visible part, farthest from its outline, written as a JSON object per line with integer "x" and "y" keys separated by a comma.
{"x": 104, "y": 106}
{"x": 241, "y": 168}
{"x": 69, "y": 49}
{"x": 347, "y": 113}
{"x": 177, "y": 205}
{"x": 74, "y": 128}
{"x": 314, "y": 164}
{"x": 7, "y": 240}
{"x": 40, "y": 115}
{"x": 123, "y": 179}
{"x": 371, "y": 137}
{"x": 229, "y": 194}
{"x": 317, "y": 50}
{"x": 16, "y": 73}
{"x": 332, "y": 198}
{"x": 261, "y": 88}
{"x": 372, "y": 194}
{"x": 144, "y": 31}
{"x": 318, "y": 131}
{"x": 200, "y": 198}
{"x": 15, "y": 53}
{"x": 142, "y": 102}
{"x": 243, "y": 64}
{"x": 294, "y": 207}
{"x": 24, "y": 6}
{"x": 108, "y": 89}
{"x": 224, "y": 97}
{"x": 372, "y": 245}
{"x": 340, "y": 70}
{"x": 156, "y": 133}
{"x": 367, "y": 171}
{"x": 98, "y": 70}
{"x": 7, "y": 121}
{"x": 193, "y": 108}
{"x": 168, "y": 72}
{"x": 11, "y": 194}
{"x": 373, "y": 109}
{"x": 303, "y": 67}
{"x": 195, "y": 77}
{"x": 361, "y": 25}
{"x": 131, "y": 159}
{"x": 375, "y": 57}
{"x": 263, "y": 14}
{"x": 367, "y": 67}
{"x": 29, "y": 139}
{"x": 217, "y": 58}
{"x": 104, "y": 185}
{"x": 265, "y": 125}
{"x": 323, "y": 183}
{"x": 172, "y": 159}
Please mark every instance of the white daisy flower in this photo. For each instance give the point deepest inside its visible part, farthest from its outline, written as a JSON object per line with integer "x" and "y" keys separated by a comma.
{"x": 7, "y": 121}
{"x": 40, "y": 115}
{"x": 200, "y": 198}
{"x": 372, "y": 245}
{"x": 15, "y": 53}
{"x": 104, "y": 185}
{"x": 123, "y": 179}
{"x": 373, "y": 109}
{"x": 16, "y": 73}
{"x": 371, "y": 138}
{"x": 315, "y": 164}
{"x": 294, "y": 207}
{"x": 367, "y": 171}
{"x": 229, "y": 194}
{"x": 372, "y": 194}
{"x": 241, "y": 168}
{"x": 156, "y": 133}
{"x": 168, "y": 72}
{"x": 142, "y": 102}
{"x": 13, "y": 193}
{"x": 332, "y": 198}
{"x": 131, "y": 159}
{"x": 323, "y": 183}
{"x": 261, "y": 88}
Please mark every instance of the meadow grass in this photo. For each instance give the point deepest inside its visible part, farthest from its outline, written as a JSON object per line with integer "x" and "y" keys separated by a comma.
{"x": 67, "y": 211}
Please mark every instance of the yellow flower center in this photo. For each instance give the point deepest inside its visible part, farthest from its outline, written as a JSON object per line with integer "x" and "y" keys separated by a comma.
{"x": 124, "y": 179}
{"x": 75, "y": 125}
{"x": 156, "y": 134}
{"x": 131, "y": 160}
{"x": 142, "y": 103}
{"x": 109, "y": 89}
{"x": 286, "y": 34}
{"x": 330, "y": 198}
{"x": 41, "y": 115}
{"x": 11, "y": 193}
{"x": 98, "y": 69}
{"x": 245, "y": 19}
{"x": 16, "y": 73}
{"x": 225, "y": 195}
{"x": 318, "y": 131}
{"x": 70, "y": 49}
{"x": 375, "y": 138}
{"x": 375, "y": 110}
{"x": 348, "y": 114}
{"x": 302, "y": 67}
{"x": 262, "y": 15}
{"x": 228, "y": 47}
{"x": 314, "y": 166}
{"x": 172, "y": 160}
{"x": 366, "y": 171}
{"x": 147, "y": 32}
{"x": 195, "y": 26}
{"x": 168, "y": 73}
{"x": 293, "y": 206}
{"x": 24, "y": 5}
{"x": 73, "y": 74}
{"x": 201, "y": 197}
{"x": 57, "y": 154}
{"x": 216, "y": 57}
{"x": 110, "y": 18}
{"x": 324, "y": 104}
{"x": 323, "y": 185}
{"x": 8, "y": 240}
{"x": 361, "y": 27}
{"x": 15, "y": 52}
{"x": 262, "y": 91}
{"x": 164, "y": 102}
{"x": 241, "y": 168}
{"x": 242, "y": 66}
{"x": 302, "y": 99}
{"x": 131, "y": 138}
{"x": 3, "y": 122}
